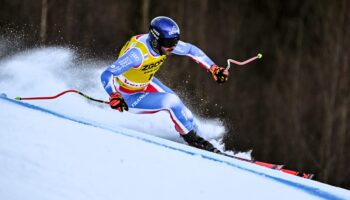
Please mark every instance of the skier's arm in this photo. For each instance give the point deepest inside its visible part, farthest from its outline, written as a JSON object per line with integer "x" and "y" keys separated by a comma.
{"x": 131, "y": 58}
{"x": 187, "y": 49}
{"x": 219, "y": 74}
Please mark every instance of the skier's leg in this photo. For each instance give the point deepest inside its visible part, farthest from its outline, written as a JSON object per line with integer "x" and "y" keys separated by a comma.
{"x": 152, "y": 102}
{"x": 159, "y": 97}
{"x": 191, "y": 137}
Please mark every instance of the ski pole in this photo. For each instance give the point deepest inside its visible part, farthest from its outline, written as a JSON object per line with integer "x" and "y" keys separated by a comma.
{"x": 229, "y": 61}
{"x": 60, "y": 94}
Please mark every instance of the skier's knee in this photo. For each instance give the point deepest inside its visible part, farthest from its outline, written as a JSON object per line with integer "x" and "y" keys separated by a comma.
{"x": 172, "y": 101}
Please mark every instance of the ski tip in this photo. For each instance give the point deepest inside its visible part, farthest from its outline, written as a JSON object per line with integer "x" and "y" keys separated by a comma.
{"x": 3, "y": 95}
{"x": 310, "y": 176}
{"x": 259, "y": 55}
{"x": 18, "y": 98}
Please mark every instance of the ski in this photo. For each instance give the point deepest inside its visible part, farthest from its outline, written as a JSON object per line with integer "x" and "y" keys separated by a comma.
{"x": 269, "y": 165}
{"x": 264, "y": 164}
{"x": 296, "y": 173}
{"x": 273, "y": 166}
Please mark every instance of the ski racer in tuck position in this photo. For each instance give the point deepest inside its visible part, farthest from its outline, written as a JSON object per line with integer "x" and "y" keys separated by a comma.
{"x": 132, "y": 86}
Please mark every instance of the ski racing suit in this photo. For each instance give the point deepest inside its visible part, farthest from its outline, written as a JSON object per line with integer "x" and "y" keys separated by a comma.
{"x": 132, "y": 75}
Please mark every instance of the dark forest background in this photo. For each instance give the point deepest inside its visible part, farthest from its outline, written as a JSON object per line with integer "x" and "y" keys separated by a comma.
{"x": 290, "y": 107}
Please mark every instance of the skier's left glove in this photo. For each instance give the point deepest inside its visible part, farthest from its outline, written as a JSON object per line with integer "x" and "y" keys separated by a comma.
{"x": 116, "y": 101}
{"x": 219, "y": 74}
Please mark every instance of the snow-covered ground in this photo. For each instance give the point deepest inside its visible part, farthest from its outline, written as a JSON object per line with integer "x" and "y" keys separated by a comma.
{"x": 70, "y": 148}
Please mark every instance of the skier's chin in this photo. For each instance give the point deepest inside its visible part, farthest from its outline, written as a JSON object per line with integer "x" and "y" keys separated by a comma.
{"x": 167, "y": 51}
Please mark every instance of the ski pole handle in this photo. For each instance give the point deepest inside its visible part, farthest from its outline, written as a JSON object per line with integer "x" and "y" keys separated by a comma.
{"x": 229, "y": 61}
{"x": 60, "y": 94}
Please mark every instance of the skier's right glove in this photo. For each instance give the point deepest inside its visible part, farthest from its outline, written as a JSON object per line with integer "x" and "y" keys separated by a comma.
{"x": 219, "y": 74}
{"x": 116, "y": 101}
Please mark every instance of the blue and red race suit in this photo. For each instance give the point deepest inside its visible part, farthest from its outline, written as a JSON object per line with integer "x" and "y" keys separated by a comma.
{"x": 132, "y": 74}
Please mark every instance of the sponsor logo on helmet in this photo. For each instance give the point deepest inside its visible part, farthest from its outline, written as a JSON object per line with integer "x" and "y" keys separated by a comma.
{"x": 155, "y": 33}
{"x": 174, "y": 30}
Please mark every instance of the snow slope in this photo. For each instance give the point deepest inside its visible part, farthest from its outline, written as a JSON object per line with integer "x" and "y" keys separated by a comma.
{"x": 47, "y": 155}
{"x": 70, "y": 148}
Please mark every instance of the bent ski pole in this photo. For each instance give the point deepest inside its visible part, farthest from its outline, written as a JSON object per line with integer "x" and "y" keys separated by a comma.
{"x": 60, "y": 94}
{"x": 229, "y": 61}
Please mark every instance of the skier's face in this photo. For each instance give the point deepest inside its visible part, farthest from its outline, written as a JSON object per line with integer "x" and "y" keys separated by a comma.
{"x": 168, "y": 44}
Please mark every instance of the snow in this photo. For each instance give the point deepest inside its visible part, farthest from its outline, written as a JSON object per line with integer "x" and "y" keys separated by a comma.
{"x": 71, "y": 148}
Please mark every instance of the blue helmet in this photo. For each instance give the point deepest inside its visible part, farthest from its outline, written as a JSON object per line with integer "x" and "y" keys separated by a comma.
{"x": 163, "y": 32}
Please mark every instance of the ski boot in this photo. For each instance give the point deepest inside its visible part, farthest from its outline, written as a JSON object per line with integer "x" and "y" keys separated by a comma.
{"x": 196, "y": 141}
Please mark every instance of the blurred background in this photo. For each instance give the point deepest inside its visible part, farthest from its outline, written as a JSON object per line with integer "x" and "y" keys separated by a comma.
{"x": 290, "y": 107}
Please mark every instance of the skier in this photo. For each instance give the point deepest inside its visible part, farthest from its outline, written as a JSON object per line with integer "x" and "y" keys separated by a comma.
{"x": 131, "y": 84}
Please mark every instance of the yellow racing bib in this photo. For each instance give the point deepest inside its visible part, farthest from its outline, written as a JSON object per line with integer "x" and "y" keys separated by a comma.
{"x": 138, "y": 77}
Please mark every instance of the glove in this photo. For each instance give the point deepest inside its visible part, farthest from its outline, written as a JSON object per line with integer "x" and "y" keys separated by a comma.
{"x": 116, "y": 101}
{"x": 219, "y": 74}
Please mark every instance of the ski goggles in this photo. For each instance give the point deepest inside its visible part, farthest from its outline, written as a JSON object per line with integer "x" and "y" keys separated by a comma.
{"x": 168, "y": 42}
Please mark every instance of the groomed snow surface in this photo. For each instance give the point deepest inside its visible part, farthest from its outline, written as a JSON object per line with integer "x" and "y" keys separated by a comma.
{"x": 70, "y": 148}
